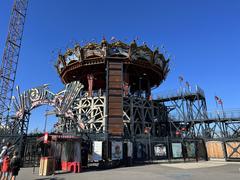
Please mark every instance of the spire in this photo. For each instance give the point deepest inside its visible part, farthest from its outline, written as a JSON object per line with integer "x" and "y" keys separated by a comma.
{"x": 104, "y": 42}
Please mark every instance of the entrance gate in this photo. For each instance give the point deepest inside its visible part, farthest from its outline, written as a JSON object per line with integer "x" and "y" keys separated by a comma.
{"x": 17, "y": 128}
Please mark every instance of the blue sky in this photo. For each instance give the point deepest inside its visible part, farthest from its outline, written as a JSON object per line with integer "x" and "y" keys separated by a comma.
{"x": 203, "y": 36}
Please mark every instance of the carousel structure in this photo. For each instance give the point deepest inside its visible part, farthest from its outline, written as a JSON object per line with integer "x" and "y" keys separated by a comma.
{"x": 117, "y": 80}
{"x": 106, "y": 113}
{"x": 115, "y": 105}
{"x": 107, "y": 101}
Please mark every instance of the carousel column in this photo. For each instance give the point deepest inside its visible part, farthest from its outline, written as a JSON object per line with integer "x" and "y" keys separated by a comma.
{"x": 114, "y": 107}
{"x": 115, "y": 96}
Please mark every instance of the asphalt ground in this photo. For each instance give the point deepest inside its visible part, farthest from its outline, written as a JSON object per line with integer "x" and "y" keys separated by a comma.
{"x": 204, "y": 170}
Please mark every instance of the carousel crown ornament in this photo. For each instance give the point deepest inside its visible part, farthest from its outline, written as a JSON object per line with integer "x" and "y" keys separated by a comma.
{"x": 73, "y": 63}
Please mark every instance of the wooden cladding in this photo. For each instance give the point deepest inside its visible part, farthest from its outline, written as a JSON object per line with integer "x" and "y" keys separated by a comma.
{"x": 115, "y": 66}
{"x": 114, "y": 72}
{"x": 114, "y": 111}
{"x": 219, "y": 149}
{"x": 115, "y": 97}
{"x": 114, "y": 91}
{"x": 115, "y": 85}
{"x": 233, "y": 150}
{"x": 115, "y": 78}
{"x": 215, "y": 149}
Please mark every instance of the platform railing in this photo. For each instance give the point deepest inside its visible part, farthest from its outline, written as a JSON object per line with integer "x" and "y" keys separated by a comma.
{"x": 182, "y": 91}
{"x": 225, "y": 114}
{"x": 230, "y": 114}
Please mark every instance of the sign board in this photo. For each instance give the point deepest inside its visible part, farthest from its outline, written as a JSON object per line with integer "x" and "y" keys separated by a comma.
{"x": 191, "y": 149}
{"x": 97, "y": 151}
{"x": 130, "y": 149}
{"x": 160, "y": 150}
{"x": 117, "y": 152}
{"x": 177, "y": 150}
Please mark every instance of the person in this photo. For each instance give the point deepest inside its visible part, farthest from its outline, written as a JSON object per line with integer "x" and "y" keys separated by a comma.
{"x": 15, "y": 164}
{"x": 5, "y": 167}
{"x": 3, "y": 153}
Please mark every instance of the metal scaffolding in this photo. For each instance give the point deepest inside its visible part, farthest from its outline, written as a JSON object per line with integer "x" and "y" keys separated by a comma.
{"x": 10, "y": 58}
{"x": 188, "y": 116}
{"x": 186, "y": 107}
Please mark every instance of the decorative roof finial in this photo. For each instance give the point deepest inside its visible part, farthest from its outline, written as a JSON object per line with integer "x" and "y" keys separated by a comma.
{"x": 156, "y": 51}
{"x": 133, "y": 44}
{"x": 113, "y": 39}
{"x": 104, "y": 41}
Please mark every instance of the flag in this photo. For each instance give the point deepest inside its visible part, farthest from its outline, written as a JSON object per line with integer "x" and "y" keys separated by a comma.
{"x": 180, "y": 78}
{"x": 217, "y": 98}
{"x": 220, "y": 101}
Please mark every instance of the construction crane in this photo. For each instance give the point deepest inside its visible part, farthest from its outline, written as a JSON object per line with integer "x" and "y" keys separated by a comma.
{"x": 8, "y": 66}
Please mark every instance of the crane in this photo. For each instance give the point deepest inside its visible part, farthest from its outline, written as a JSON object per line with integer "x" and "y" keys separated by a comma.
{"x": 9, "y": 63}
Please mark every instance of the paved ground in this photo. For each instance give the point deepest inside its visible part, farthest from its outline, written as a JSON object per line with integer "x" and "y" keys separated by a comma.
{"x": 213, "y": 170}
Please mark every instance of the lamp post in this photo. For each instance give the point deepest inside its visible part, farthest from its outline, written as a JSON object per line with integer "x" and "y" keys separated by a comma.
{"x": 147, "y": 130}
{"x": 45, "y": 123}
{"x": 140, "y": 86}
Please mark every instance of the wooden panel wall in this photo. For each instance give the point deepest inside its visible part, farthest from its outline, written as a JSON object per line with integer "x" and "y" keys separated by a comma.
{"x": 215, "y": 149}
{"x": 233, "y": 149}
{"x": 115, "y": 97}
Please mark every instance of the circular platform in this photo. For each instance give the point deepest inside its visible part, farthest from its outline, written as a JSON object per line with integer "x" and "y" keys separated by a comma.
{"x": 140, "y": 64}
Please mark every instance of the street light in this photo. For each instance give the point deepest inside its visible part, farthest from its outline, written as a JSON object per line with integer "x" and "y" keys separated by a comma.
{"x": 147, "y": 130}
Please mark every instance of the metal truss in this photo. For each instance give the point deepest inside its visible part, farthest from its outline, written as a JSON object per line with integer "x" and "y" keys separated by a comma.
{"x": 9, "y": 63}
{"x": 223, "y": 124}
{"x": 188, "y": 116}
{"x": 187, "y": 110}
{"x": 91, "y": 113}
{"x": 139, "y": 113}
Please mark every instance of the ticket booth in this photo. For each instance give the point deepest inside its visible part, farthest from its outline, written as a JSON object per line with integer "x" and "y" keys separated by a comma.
{"x": 60, "y": 152}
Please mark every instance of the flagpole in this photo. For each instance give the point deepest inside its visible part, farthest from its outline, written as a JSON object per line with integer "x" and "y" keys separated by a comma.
{"x": 180, "y": 78}
{"x": 222, "y": 108}
{"x": 216, "y": 101}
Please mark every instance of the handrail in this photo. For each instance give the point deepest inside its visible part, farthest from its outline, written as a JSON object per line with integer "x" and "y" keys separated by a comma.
{"x": 182, "y": 91}
{"x": 228, "y": 114}
{"x": 211, "y": 115}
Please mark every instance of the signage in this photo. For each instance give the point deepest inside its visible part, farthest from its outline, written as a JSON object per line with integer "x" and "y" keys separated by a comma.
{"x": 130, "y": 149}
{"x": 97, "y": 151}
{"x": 160, "y": 150}
{"x": 190, "y": 149}
{"x": 117, "y": 150}
{"x": 177, "y": 150}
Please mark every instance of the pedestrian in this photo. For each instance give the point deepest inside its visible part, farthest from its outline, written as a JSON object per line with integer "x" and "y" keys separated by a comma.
{"x": 3, "y": 153}
{"x": 5, "y": 167}
{"x": 15, "y": 164}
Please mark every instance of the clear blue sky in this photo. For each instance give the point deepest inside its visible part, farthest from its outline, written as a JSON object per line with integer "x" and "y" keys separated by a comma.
{"x": 203, "y": 35}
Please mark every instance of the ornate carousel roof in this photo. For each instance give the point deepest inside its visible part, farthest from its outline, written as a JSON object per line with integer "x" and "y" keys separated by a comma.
{"x": 93, "y": 54}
